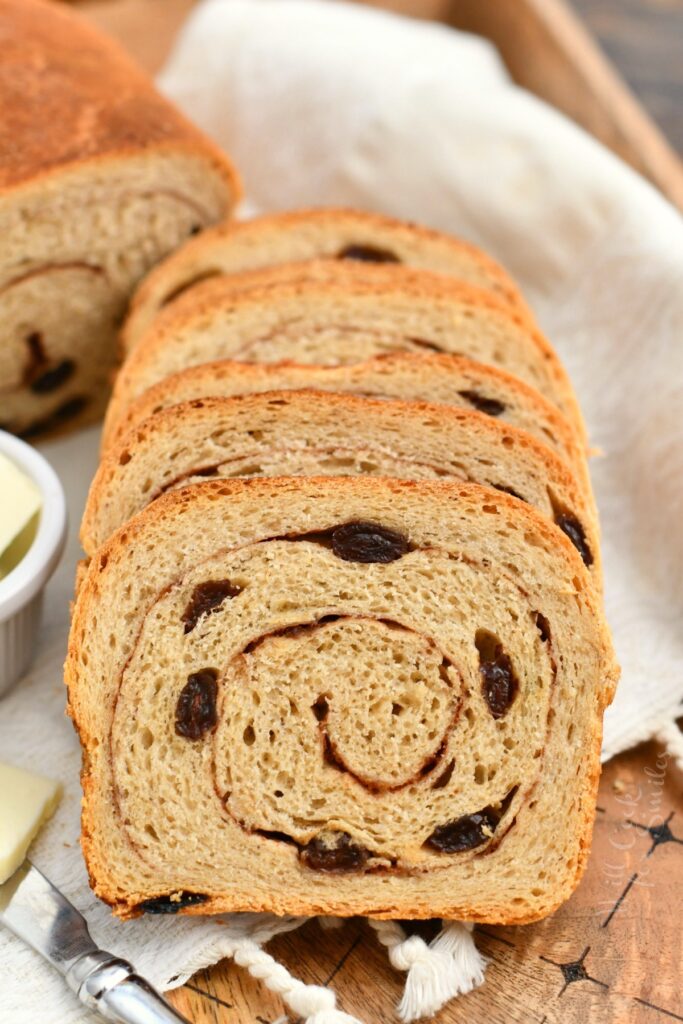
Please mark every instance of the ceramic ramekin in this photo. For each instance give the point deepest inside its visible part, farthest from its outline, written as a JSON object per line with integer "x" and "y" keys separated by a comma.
{"x": 21, "y": 591}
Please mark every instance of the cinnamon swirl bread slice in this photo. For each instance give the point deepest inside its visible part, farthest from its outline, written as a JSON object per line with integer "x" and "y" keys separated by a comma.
{"x": 331, "y": 314}
{"x": 100, "y": 178}
{"x": 448, "y": 380}
{"x": 339, "y": 234}
{"x": 309, "y": 433}
{"x": 338, "y": 696}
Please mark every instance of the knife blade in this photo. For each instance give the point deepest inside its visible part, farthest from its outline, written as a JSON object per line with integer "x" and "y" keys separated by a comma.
{"x": 38, "y": 913}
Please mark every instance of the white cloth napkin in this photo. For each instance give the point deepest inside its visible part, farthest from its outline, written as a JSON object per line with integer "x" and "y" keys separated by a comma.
{"x": 324, "y": 103}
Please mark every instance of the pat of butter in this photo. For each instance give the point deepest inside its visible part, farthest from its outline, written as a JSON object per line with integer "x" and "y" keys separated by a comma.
{"x": 20, "y": 504}
{"x": 26, "y": 803}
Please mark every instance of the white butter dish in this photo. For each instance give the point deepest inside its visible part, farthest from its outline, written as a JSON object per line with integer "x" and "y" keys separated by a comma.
{"x": 21, "y": 591}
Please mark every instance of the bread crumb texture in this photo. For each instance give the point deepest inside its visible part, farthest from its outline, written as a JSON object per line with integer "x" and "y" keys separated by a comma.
{"x": 341, "y": 696}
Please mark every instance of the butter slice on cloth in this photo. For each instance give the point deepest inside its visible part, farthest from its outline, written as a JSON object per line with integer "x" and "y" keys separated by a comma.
{"x": 26, "y": 803}
{"x": 19, "y": 508}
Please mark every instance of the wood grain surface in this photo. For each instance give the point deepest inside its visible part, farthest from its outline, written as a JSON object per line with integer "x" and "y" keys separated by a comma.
{"x": 613, "y": 953}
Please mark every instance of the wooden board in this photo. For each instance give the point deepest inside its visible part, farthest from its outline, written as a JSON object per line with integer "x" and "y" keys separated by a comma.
{"x": 613, "y": 953}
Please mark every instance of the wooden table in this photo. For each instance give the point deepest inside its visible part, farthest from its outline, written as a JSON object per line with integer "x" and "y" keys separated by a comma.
{"x": 613, "y": 953}
{"x": 644, "y": 39}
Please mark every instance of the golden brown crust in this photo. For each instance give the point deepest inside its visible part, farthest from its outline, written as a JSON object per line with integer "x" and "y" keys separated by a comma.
{"x": 98, "y": 172}
{"x": 211, "y": 248}
{"x": 89, "y": 99}
{"x": 335, "y": 281}
{"x": 255, "y": 286}
{"x": 247, "y": 378}
{"x": 229, "y": 414}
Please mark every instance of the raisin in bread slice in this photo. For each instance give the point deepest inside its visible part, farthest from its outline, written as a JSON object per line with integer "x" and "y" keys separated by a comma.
{"x": 338, "y": 696}
{"x": 100, "y": 177}
{"x": 309, "y": 433}
{"x": 447, "y": 380}
{"x": 337, "y": 314}
{"x": 312, "y": 234}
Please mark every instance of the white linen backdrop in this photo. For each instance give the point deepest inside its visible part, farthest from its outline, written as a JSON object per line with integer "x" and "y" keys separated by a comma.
{"x": 330, "y": 103}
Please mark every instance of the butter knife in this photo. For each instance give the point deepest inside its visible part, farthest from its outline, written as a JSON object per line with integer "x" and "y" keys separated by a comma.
{"x": 36, "y": 912}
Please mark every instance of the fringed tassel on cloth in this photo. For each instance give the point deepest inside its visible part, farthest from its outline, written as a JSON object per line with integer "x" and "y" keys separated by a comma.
{"x": 449, "y": 966}
{"x": 317, "y": 1005}
{"x": 313, "y": 1003}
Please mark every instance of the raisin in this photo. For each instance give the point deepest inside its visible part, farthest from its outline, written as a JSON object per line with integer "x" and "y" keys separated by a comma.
{"x": 320, "y": 709}
{"x": 53, "y": 378}
{"x": 206, "y": 598}
{"x": 37, "y": 357}
{"x": 491, "y": 406}
{"x": 445, "y": 776}
{"x": 499, "y": 683}
{"x": 367, "y": 254}
{"x": 367, "y": 542}
{"x": 543, "y": 627}
{"x": 344, "y": 855}
{"x": 195, "y": 712}
{"x": 571, "y": 526}
{"x": 471, "y": 830}
{"x": 465, "y": 833}
{"x": 171, "y": 905}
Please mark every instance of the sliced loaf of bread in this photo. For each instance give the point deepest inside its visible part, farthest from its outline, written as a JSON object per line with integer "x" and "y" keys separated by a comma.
{"x": 339, "y": 314}
{"x": 292, "y": 237}
{"x": 338, "y": 696}
{"x": 100, "y": 177}
{"x": 441, "y": 379}
{"x": 310, "y": 433}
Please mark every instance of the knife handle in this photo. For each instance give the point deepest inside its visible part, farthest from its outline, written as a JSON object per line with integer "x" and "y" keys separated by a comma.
{"x": 111, "y": 987}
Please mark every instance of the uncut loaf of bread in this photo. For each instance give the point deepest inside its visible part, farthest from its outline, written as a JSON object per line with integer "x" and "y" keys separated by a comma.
{"x": 299, "y": 235}
{"x": 310, "y": 433}
{"x": 447, "y": 380}
{"x": 338, "y": 696}
{"x": 330, "y": 314}
{"x": 100, "y": 177}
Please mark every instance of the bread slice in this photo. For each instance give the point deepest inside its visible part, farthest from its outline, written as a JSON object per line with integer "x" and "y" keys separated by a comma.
{"x": 299, "y": 433}
{"x": 100, "y": 177}
{"x": 299, "y": 235}
{"x": 440, "y": 379}
{"x": 338, "y": 696}
{"x": 337, "y": 314}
